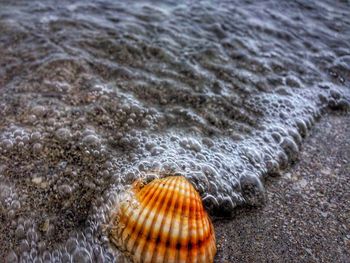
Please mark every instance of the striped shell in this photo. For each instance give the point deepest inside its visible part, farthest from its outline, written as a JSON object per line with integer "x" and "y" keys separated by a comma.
{"x": 165, "y": 222}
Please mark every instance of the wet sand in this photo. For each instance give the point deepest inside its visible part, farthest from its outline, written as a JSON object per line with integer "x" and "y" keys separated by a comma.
{"x": 307, "y": 215}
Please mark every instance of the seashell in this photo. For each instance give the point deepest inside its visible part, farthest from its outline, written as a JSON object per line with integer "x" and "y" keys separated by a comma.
{"x": 164, "y": 221}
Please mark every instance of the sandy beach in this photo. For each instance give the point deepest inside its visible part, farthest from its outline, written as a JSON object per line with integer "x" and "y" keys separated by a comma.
{"x": 307, "y": 214}
{"x": 96, "y": 96}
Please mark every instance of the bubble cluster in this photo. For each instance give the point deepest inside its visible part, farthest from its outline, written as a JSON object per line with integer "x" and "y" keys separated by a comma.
{"x": 223, "y": 95}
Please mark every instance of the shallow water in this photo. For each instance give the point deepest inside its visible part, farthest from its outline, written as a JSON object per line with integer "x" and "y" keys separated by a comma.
{"x": 95, "y": 95}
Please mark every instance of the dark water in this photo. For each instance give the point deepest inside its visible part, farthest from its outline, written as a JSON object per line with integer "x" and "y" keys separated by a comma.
{"x": 95, "y": 95}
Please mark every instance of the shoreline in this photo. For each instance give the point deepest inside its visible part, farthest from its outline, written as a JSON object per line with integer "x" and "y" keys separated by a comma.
{"x": 307, "y": 214}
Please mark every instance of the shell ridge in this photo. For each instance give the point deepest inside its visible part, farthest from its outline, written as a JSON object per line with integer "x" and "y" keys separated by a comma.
{"x": 212, "y": 240}
{"x": 164, "y": 221}
{"x": 133, "y": 224}
{"x": 169, "y": 234}
{"x": 192, "y": 234}
{"x": 122, "y": 219}
{"x": 142, "y": 232}
{"x": 156, "y": 237}
{"x": 134, "y": 229}
{"x": 194, "y": 227}
{"x": 204, "y": 240}
{"x": 155, "y": 217}
{"x": 208, "y": 251}
{"x": 183, "y": 215}
{"x": 183, "y": 235}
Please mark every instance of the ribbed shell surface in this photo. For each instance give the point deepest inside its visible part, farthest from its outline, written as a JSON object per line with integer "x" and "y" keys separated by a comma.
{"x": 165, "y": 223}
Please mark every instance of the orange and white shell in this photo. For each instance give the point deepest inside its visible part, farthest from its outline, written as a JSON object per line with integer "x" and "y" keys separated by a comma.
{"x": 164, "y": 222}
